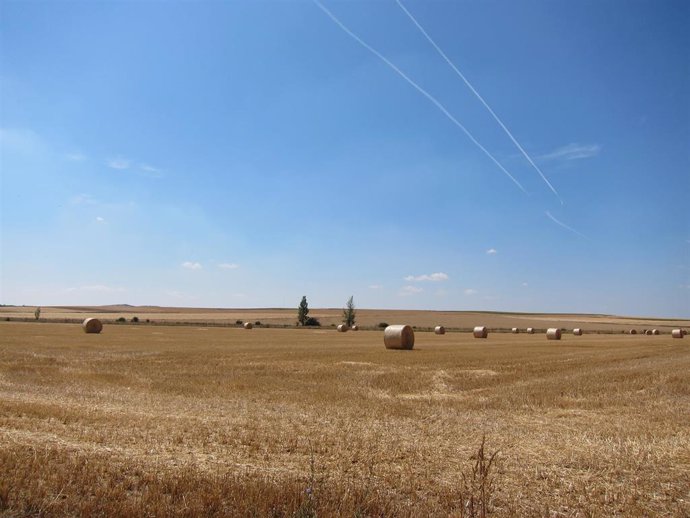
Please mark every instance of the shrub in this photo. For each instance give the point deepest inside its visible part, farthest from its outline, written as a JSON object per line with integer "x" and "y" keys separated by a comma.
{"x": 121, "y": 319}
{"x": 257, "y": 323}
{"x": 383, "y": 325}
{"x": 239, "y": 322}
{"x": 311, "y": 321}
{"x": 135, "y": 319}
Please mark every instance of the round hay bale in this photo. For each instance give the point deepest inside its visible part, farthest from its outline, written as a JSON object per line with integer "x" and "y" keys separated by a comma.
{"x": 515, "y": 330}
{"x": 648, "y": 332}
{"x": 656, "y": 332}
{"x": 684, "y": 332}
{"x": 247, "y": 325}
{"x": 633, "y": 331}
{"x": 92, "y": 325}
{"x": 342, "y": 328}
{"x": 530, "y": 330}
{"x": 677, "y": 333}
{"x": 480, "y": 332}
{"x": 398, "y": 337}
{"x": 553, "y": 333}
{"x": 355, "y": 327}
{"x": 577, "y": 331}
{"x": 440, "y": 330}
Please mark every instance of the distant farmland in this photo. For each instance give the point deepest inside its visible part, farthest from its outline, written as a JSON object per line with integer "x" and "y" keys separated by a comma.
{"x": 215, "y": 421}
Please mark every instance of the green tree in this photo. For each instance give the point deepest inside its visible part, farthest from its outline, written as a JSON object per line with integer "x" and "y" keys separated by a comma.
{"x": 302, "y": 311}
{"x": 349, "y": 313}
{"x": 37, "y": 313}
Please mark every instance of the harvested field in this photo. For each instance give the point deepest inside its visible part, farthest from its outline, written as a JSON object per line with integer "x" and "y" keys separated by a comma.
{"x": 184, "y": 421}
{"x": 366, "y": 318}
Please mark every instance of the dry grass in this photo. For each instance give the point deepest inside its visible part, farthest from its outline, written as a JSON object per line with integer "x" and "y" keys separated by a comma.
{"x": 189, "y": 421}
{"x": 365, "y": 317}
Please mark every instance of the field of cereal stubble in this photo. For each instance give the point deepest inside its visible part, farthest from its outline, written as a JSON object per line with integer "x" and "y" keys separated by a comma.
{"x": 188, "y": 421}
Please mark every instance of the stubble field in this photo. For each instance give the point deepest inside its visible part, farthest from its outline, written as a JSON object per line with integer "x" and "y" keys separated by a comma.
{"x": 190, "y": 421}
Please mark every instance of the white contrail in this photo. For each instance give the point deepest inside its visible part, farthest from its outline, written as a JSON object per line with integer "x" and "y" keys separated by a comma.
{"x": 500, "y": 122}
{"x": 419, "y": 89}
{"x": 564, "y": 225}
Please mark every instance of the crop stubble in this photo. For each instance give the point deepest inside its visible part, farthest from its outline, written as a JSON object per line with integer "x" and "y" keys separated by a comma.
{"x": 189, "y": 420}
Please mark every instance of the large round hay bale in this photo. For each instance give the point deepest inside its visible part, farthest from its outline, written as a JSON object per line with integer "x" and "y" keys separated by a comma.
{"x": 247, "y": 325}
{"x": 515, "y": 330}
{"x": 677, "y": 333}
{"x": 480, "y": 332}
{"x": 398, "y": 337}
{"x": 656, "y": 332}
{"x": 530, "y": 330}
{"x": 577, "y": 331}
{"x": 440, "y": 330}
{"x": 92, "y": 325}
{"x": 355, "y": 327}
{"x": 342, "y": 328}
{"x": 633, "y": 331}
{"x": 553, "y": 333}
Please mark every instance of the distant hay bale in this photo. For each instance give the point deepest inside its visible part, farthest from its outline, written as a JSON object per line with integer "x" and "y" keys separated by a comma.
{"x": 577, "y": 331}
{"x": 530, "y": 330}
{"x": 648, "y": 332}
{"x": 684, "y": 332}
{"x": 398, "y": 337}
{"x": 633, "y": 331}
{"x": 553, "y": 333}
{"x": 677, "y": 333}
{"x": 656, "y": 332}
{"x": 247, "y": 325}
{"x": 92, "y": 325}
{"x": 342, "y": 328}
{"x": 355, "y": 327}
{"x": 440, "y": 330}
{"x": 480, "y": 332}
{"x": 515, "y": 330}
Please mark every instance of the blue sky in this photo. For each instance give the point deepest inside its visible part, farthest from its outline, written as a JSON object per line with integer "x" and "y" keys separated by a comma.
{"x": 243, "y": 154}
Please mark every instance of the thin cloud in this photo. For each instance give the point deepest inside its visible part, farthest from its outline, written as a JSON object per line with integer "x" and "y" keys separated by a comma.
{"x": 481, "y": 99}
{"x": 433, "y": 277}
{"x": 409, "y": 290}
{"x": 83, "y": 199}
{"x": 228, "y": 266}
{"x": 99, "y": 219}
{"x": 97, "y": 288}
{"x": 421, "y": 90}
{"x": 151, "y": 171}
{"x": 118, "y": 163}
{"x": 75, "y": 157}
{"x": 491, "y": 251}
{"x": 573, "y": 151}
{"x": 375, "y": 286}
{"x": 470, "y": 291}
{"x": 190, "y": 265}
{"x": 548, "y": 214}
{"x": 524, "y": 284}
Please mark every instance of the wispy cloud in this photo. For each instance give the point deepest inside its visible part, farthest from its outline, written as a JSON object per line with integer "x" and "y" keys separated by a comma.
{"x": 20, "y": 140}
{"x": 191, "y": 265}
{"x": 573, "y": 151}
{"x": 99, "y": 219}
{"x": 433, "y": 277}
{"x": 470, "y": 291}
{"x": 97, "y": 288}
{"x": 524, "y": 284}
{"x": 153, "y": 172}
{"x": 118, "y": 163}
{"x": 492, "y": 251}
{"x": 228, "y": 266}
{"x": 75, "y": 157}
{"x": 409, "y": 290}
{"x": 548, "y": 214}
{"x": 83, "y": 199}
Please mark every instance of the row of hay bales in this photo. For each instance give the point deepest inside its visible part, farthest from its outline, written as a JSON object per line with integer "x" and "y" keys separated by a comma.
{"x": 402, "y": 336}
{"x": 94, "y": 325}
